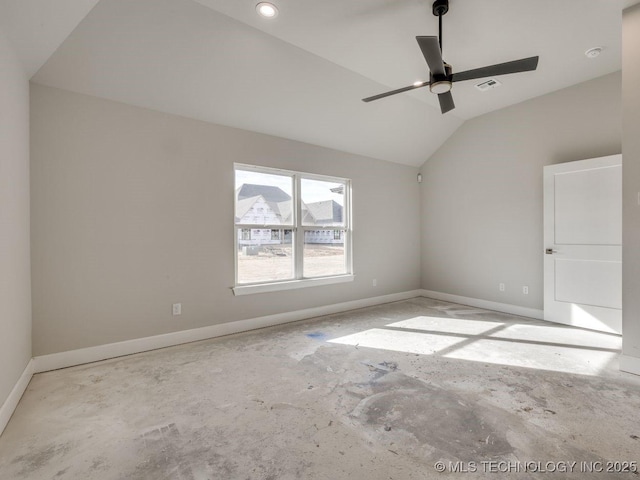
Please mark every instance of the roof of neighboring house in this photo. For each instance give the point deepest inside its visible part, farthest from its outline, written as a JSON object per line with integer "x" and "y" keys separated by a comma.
{"x": 326, "y": 211}
{"x": 244, "y": 205}
{"x": 281, "y": 209}
{"x": 269, "y": 193}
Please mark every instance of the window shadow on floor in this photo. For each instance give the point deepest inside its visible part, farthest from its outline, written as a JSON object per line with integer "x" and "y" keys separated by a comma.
{"x": 494, "y": 338}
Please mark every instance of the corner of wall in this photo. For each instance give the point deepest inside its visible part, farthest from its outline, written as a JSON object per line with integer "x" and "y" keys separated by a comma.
{"x": 15, "y": 253}
{"x": 630, "y": 360}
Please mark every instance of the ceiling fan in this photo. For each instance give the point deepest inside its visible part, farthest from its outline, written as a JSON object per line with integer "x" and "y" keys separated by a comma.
{"x": 441, "y": 76}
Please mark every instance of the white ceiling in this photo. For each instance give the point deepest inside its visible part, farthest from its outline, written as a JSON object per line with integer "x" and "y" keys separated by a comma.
{"x": 302, "y": 75}
{"x": 36, "y": 28}
{"x": 376, "y": 38}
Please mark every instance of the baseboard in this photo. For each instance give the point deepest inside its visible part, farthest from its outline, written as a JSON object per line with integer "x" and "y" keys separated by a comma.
{"x": 81, "y": 356}
{"x": 486, "y": 304}
{"x": 630, "y": 364}
{"x": 14, "y": 397}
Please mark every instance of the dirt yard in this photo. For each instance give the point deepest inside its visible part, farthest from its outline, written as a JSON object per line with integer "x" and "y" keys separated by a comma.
{"x": 276, "y": 263}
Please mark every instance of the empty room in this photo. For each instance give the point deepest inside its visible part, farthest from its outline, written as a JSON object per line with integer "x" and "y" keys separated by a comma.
{"x": 373, "y": 239}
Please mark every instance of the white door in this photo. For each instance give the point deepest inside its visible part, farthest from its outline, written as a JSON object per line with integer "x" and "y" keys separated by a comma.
{"x": 583, "y": 243}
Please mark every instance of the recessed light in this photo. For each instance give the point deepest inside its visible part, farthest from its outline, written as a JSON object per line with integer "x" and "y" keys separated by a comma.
{"x": 593, "y": 52}
{"x": 267, "y": 10}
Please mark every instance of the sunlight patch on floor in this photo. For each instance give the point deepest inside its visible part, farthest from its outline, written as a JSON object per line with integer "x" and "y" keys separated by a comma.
{"x": 554, "y": 348}
{"x": 540, "y": 357}
{"x": 440, "y": 324}
{"x": 399, "y": 341}
{"x": 560, "y": 335}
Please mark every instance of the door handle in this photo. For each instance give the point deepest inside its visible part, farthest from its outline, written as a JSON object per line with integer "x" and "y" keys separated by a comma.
{"x": 550, "y": 251}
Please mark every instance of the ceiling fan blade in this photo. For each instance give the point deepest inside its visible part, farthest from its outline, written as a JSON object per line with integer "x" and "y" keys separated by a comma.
{"x": 446, "y": 102}
{"x": 431, "y": 50}
{"x": 523, "y": 65}
{"x": 393, "y": 92}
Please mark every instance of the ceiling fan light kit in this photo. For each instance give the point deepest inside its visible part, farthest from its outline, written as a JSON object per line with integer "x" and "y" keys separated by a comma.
{"x": 441, "y": 75}
{"x": 440, "y": 87}
{"x": 440, "y": 84}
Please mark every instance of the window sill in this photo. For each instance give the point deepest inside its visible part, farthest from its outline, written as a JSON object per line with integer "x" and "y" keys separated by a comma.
{"x": 290, "y": 285}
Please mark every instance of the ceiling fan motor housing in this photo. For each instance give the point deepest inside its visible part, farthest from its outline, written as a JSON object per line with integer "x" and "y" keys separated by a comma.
{"x": 441, "y": 83}
{"x": 440, "y": 7}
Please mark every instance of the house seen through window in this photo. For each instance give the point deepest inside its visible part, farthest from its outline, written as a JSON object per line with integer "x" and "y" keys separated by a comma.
{"x": 290, "y": 226}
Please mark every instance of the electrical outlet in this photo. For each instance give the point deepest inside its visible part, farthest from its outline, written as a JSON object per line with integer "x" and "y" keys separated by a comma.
{"x": 177, "y": 309}
{"x": 501, "y": 287}
{"x": 374, "y": 283}
{"x": 525, "y": 290}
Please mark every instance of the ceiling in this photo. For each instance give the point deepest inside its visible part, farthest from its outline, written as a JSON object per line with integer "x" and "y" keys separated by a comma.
{"x": 302, "y": 74}
{"x": 36, "y": 28}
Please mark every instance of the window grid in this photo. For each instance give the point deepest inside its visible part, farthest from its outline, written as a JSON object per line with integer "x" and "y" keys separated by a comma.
{"x": 298, "y": 231}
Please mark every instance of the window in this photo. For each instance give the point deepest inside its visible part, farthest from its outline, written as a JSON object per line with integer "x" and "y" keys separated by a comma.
{"x": 302, "y": 236}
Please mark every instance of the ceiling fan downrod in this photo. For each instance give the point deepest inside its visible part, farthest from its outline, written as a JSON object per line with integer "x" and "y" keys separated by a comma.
{"x": 440, "y": 8}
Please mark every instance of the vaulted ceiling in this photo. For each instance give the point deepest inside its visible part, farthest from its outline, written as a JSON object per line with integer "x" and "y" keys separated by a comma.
{"x": 303, "y": 74}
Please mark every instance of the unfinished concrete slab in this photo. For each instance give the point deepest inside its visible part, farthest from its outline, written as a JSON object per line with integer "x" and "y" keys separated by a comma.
{"x": 380, "y": 393}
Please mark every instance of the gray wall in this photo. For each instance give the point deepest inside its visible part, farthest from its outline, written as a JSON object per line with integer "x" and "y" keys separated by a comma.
{"x": 631, "y": 183}
{"x": 133, "y": 210}
{"x": 482, "y": 191}
{"x": 15, "y": 288}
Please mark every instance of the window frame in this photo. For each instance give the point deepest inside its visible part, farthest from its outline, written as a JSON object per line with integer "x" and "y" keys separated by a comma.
{"x": 298, "y": 234}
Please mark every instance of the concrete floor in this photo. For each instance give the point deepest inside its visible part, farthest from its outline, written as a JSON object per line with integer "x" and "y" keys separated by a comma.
{"x": 378, "y": 393}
